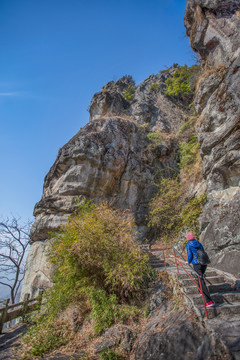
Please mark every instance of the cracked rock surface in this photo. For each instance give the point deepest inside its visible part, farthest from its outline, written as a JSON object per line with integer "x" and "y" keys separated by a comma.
{"x": 110, "y": 159}
{"x": 213, "y": 28}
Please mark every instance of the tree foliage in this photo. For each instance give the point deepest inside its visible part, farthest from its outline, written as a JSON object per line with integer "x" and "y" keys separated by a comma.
{"x": 98, "y": 246}
{"x": 172, "y": 212}
{"x": 188, "y": 152}
{"x": 129, "y": 92}
{"x": 97, "y": 265}
{"x": 182, "y": 84}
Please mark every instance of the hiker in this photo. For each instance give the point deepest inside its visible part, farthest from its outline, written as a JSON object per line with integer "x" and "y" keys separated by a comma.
{"x": 192, "y": 246}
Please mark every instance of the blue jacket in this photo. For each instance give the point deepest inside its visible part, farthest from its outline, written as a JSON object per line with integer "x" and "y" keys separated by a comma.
{"x": 192, "y": 248}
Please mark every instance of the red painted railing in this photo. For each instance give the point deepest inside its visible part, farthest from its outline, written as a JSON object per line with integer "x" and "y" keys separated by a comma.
{"x": 170, "y": 254}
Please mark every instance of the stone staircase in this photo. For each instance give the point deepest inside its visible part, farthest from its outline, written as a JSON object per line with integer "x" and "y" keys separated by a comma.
{"x": 224, "y": 318}
{"x": 223, "y": 292}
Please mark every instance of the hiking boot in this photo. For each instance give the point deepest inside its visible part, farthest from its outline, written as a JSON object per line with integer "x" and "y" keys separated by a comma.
{"x": 210, "y": 304}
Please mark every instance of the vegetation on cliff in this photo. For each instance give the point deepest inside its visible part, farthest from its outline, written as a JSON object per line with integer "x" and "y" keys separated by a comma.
{"x": 183, "y": 82}
{"x": 99, "y": 268}
{"x": 174, "y": 210}
{"x": 128, "y": 94}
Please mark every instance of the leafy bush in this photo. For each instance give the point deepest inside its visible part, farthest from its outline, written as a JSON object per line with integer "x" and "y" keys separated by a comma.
{"x": 109, "y": 354}
{"x": 171, "y": 211}
{"x": 106, "y": 310}
{"x": 97, "y": 264}
{"x": 155, "y": 87}
{"x": 129, "y": 92}
{"x": 191, "y": 212}
{"x": 186, "y": 125}
{"x": 166, "y": 207}
{"x": 155, "y": 138}
{"x": 188, "y": 152}
{"x": 182, "y": 84}
{"x": 46, "y": 336}
{"x": 99, "y": 245}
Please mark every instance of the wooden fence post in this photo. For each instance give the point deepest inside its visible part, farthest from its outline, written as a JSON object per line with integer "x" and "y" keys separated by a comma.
{"x": 26, "y": 301}
{"x": 3, "y": 313}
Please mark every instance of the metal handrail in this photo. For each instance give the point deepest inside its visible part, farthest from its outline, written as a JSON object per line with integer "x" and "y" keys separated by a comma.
{"x": 178, "y": 262}
{"x": 189, "y": 264}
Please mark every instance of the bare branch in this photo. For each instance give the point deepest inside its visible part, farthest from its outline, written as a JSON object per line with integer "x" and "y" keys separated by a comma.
{"x": 5, "y": 284}
{"x": 5, "y": 277}
{"x": 14, "y": 240}
{"x": 9, "y": 258}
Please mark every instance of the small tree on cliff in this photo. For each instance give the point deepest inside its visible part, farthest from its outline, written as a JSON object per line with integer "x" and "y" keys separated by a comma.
{"x": 14, "y": 240}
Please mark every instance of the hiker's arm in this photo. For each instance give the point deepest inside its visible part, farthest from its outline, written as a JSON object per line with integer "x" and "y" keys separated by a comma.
{"x": 190, "y": 254}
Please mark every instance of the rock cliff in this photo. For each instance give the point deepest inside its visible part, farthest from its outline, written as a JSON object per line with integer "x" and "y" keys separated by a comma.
{"x": 213, "y": 28}
{"x": 110, "y": 159}
{"x": 113, "y": 159}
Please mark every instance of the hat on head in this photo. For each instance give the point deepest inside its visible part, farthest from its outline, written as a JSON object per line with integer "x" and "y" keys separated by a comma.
{"x": 190, "y": 236}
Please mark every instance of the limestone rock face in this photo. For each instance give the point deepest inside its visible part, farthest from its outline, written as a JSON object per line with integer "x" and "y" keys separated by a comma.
{"x": 174, "y": 334}
{"x": 149, "y": 106}
{"x": 110, "y": 99}
{"x": 37, "y": 270}
{"x": 110, "y": 159}
{"x": 213, "y": 27}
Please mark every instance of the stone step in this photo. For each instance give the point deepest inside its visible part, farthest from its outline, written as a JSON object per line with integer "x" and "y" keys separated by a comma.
{"x": 219, "y": 298}
{"x": 217, "y": 288}
{"x": 156, "y": 262}
{"x": 158, "y": 265}
{"x": 224, "y": 309}
{"x": 210, "y": 280}
{"x": 209, "y": 273}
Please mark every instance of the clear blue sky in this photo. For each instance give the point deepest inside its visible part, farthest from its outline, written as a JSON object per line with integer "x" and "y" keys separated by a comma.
{"x": 55, "y": 54}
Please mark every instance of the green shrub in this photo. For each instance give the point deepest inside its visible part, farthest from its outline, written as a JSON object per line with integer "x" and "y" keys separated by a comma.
{"x": 155, "y": 87}
{"x": 171, "y": 211}
{"x": 183, "y": 82}
{"x": 188, "y": 152}
{"x": 109, "y": 354}
{"x": 98, "y": 265}
{"x": 191, "y": 212}
{"x": 166, "y": 207}
{"x": 129, "y": 92}
{"x": 155, "y": 138}
{"x": 45, "y": 336}
{"x": 186, "y": 125}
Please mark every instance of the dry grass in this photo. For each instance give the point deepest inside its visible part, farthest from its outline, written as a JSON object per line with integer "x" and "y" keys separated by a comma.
{"x": 192, "y": 174}
{"x": 83, "y": 339}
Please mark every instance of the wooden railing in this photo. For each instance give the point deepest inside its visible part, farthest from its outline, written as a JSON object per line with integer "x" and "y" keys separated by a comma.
{"x": 9, "y": 312}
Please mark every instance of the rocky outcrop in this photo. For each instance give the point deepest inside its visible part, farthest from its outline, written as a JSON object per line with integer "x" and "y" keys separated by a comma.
{"x": 110, "y": 159}
{"x": 173, "y": 334}
{"x": 213, "y": 28}
{"x": 107, "y": 160}
{"x": 169, "y": 332}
